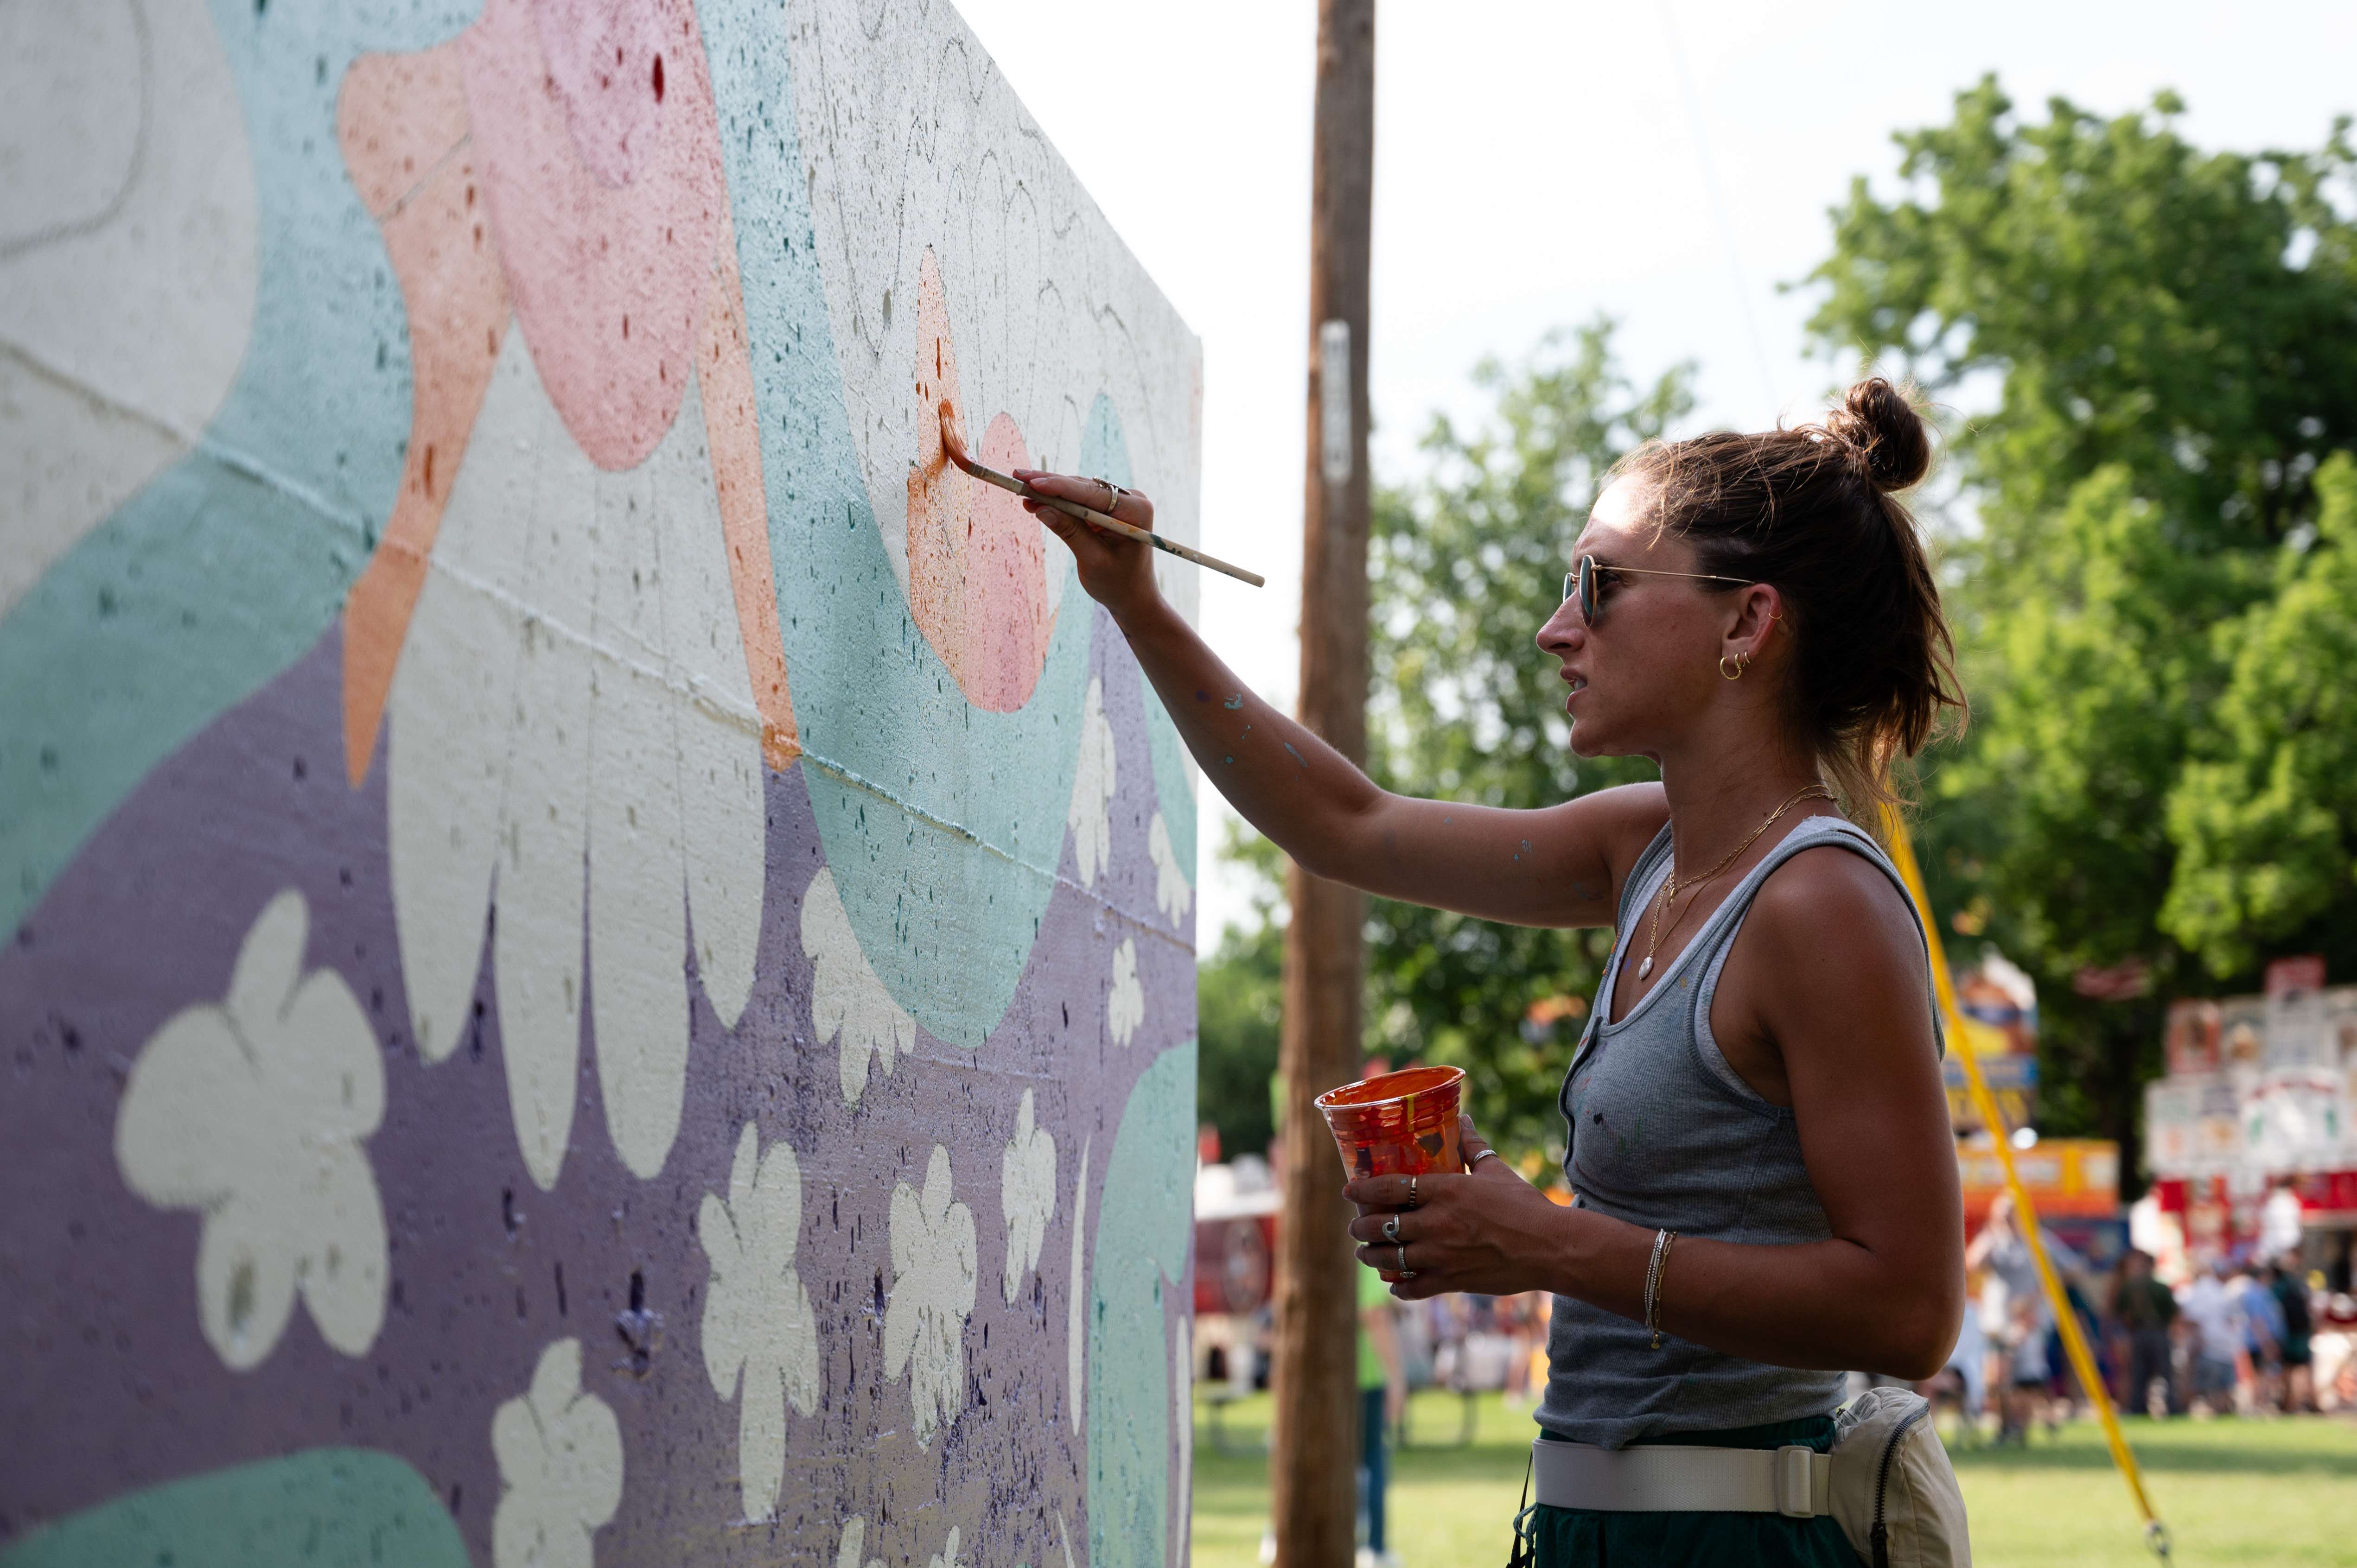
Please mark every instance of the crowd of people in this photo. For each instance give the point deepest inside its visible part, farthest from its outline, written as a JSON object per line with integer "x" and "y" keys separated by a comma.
{"x": 2238, "y": 1338}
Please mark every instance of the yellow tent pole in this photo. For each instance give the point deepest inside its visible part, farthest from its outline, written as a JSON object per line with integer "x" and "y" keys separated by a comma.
{"x": 2075, "y": 1342}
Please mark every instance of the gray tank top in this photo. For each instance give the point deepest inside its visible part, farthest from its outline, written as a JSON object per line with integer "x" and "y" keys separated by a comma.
{"x": 1666, "y": 1135}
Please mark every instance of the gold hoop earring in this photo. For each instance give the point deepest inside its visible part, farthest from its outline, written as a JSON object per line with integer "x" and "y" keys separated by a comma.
{"x": 1724, "y": 660}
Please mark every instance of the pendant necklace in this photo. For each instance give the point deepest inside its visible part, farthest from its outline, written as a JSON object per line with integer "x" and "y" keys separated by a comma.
{"x": 1670, "y": 887}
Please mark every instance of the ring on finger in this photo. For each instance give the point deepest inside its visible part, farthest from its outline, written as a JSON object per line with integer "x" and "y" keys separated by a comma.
{"x": 1113, "y": 495}
{"x": 1403, "y": 1268}
{"x": 1411, "y": 1199}
{"x": 1391, "y": 1230}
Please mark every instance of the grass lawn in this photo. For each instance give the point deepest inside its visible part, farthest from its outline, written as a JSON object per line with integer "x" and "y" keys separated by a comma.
{"x": 2276, "y": 1492}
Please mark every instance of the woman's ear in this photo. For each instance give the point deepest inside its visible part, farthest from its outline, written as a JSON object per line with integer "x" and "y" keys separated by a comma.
{"x": 1758, "y": 617}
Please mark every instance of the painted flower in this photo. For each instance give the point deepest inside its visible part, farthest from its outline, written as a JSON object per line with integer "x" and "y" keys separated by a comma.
{"x": 757, "y": 1311}
{"x": 854, "y": 1546}
{"x": 1090, "y": 817}
{"x": 1173, "y": 893}
{"x": 933, "y": 1268}
{"x": 846, "y": 997}
{"x": 947, "y": 1557}
{"x": 254, "y": 1112}
{"x": 1126, "y": 1003}
{"x": 560, "y": 1453}
{"x": 568, "y": 630}
{"x": 1027, "y": 1190}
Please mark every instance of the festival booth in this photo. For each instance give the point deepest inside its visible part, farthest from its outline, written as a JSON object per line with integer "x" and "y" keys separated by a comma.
{"x": 2248, "y": 1136}
{"x": 2074, "y": 1182}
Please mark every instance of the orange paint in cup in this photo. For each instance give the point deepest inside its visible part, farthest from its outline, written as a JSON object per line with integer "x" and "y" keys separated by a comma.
{"x": 1401, "y": 1124}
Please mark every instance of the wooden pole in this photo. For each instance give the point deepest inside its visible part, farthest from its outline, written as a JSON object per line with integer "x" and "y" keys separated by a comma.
{"x": 1313, "y": 1457}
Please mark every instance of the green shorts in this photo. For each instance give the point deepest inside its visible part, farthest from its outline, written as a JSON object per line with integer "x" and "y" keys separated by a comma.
{"x": 1586, "y": 1537}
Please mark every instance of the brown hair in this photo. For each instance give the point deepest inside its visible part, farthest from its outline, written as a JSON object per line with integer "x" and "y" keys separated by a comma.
{"x": 1812, "y": 512}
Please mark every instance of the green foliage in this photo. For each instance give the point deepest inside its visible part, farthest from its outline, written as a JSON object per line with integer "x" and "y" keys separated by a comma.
{"x": 2265, "y": 823}
{"x": 1238, "y": 1005}
{"x": 2169, "y": 335}
{"x": 1468, "y": 563}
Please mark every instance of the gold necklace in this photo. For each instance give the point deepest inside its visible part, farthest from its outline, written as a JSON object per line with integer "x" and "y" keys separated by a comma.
{"x": 1670, "y": 887}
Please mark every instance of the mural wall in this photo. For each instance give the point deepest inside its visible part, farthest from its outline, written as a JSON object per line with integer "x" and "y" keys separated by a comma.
{"x": 598, "y": 950}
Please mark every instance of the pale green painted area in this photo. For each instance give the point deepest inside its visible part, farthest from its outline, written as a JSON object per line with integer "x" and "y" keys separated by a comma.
{"x": 199, "y": 589}
{"x": 1171, "y": 788}
{"x": 944, "y": 823}
{"x": 226, "y": 568}
{"x": 1144, "y": 1229}
{"x": 324, "y": 1508}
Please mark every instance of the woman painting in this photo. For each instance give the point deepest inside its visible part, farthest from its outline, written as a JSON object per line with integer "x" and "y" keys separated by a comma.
{"x": 1767, "y": 1190}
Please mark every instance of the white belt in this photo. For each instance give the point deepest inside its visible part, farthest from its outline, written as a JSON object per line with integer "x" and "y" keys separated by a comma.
{"x": 1794, "y": 1481}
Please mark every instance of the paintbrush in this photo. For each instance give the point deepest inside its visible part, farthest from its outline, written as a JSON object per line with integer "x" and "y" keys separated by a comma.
{"x": 956, "y": 452}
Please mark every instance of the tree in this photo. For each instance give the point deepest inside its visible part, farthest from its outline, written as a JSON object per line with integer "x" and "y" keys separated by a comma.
{"x": 1468, "y": 561}
{"x": 2266, "y": 819}
{"x": 2169, "y": 330}
{"x": 1239, "y": 1004}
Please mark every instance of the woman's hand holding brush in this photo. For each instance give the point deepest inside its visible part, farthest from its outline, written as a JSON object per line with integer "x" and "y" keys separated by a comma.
{"x": 1117, "y": 573}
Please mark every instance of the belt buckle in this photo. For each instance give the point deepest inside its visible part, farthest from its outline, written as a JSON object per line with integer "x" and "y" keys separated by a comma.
{"x": 1792, "y": 1473}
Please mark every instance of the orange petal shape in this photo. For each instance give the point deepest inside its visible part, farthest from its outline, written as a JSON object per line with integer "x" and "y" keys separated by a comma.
{"x": 978, "y": 569}
{"x": 402, "y": 122}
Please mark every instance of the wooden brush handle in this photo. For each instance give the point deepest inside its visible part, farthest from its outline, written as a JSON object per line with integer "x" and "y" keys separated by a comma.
{"x": 956, "y": 452}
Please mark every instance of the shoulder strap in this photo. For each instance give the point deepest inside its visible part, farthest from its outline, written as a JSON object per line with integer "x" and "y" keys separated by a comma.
{"x": 1654, "y": 853}
{"x": 1809, "y": 833}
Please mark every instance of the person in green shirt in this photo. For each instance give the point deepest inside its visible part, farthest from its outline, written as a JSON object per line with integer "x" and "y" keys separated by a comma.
{"x": 1382, "y": 1393}
{"x": 2145, "y": 1308}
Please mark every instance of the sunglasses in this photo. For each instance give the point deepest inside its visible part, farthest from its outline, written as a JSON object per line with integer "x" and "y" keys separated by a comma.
{"x": 1584, "y": 582}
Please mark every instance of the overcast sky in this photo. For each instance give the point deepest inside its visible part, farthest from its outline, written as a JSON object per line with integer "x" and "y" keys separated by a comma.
{"x": 1538, "y": 162}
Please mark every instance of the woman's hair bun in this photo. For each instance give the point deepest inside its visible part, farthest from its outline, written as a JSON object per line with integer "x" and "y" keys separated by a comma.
{"x": 1882, "y": 426}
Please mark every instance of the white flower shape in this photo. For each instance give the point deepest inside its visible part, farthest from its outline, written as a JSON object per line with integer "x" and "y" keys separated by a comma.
{"x": 1090, "y": 817}
{"x": 947, "y": 1557}
{"x": 254, "y": 1112}
{"x": 574, "y": 741}
{"x": 1172, "y": 892}
{"x": 933, "y": 1267}
{"x": 854, "y": 1544}
{"x": 560, "y": 1453}
{"x": 1027, "y": 1190}
{"x": 757, "y": 1311}
{"x": 847, "y": 996}
{"x": 1125, "y": 1003}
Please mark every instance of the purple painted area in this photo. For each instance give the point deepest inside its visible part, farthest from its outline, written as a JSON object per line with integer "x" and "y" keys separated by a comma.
{"x": 112, "y": 1387}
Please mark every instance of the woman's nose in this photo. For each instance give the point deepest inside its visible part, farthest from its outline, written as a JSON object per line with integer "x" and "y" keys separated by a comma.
{"x": 1564, "y": 631}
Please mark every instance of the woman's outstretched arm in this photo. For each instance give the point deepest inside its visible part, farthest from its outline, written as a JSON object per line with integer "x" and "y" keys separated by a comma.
{"x": 1556, "y": 866}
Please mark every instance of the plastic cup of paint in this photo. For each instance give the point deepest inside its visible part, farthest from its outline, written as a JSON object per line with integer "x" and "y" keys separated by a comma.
{"x": 1400, "y": 1123}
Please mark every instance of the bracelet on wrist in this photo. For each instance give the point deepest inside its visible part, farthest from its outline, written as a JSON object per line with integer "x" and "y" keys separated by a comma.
{"x": 1654, "y": 1269}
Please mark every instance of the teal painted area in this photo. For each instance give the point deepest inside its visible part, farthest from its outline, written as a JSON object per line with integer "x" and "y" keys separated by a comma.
{"x": 204, "y": 586}
{"x": 1144, "y": 1229}
{"x": 1162, "y": 745}
{"x": 944, "y": 823}
{"x": 1104, "y": 452}
{"x": 220, "y": 573}
{"x": 324, "y": 1508}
